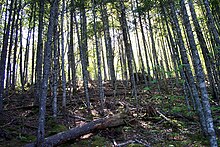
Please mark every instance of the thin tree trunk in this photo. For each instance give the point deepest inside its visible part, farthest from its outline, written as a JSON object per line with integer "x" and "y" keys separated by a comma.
{"x": 8, "y": 79}
{"x": 213, "y": 31}
{"x": 71, "y": 50}
{"x": 101, "y": 90}
{"x": 108, "y": 41}
{"x": 15, "y": 51}
{"x": 21, "y": 47}
{"x": 4, "y": 55}
{"x": 62, "y": 56}
{"x": 83, "y": 63}
{"x": 144, "y": 42}
{"x": 27, "y": 49}
{"x": 128, "y": 49}
{"x": 188, "y": 70}
{"x": 46, "y": 72}
{"x": 156, "y": 63}
{"x": 200, "y": 77}
{"x": 55, "y": 69}
{"x": 33, "y": 44}
{"x": 205, "y": 51}
{"x": 139, "y": 49}
{"x": 39, "y": 57}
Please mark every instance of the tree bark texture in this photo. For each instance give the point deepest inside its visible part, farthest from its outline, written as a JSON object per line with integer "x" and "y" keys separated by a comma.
{"x": 74, "y": 133}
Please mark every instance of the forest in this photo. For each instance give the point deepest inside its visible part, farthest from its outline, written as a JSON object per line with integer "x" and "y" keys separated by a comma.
{"x": 116, "y": 73}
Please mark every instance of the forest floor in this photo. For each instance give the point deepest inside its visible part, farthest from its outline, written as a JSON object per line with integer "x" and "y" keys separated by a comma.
{"x": 162, "y": 117}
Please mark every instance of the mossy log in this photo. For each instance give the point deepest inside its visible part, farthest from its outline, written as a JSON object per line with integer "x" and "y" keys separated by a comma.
{"x": 99, "y": 124}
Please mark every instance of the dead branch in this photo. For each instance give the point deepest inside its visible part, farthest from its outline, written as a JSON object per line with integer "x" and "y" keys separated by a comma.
{"x": 103, "y": 123}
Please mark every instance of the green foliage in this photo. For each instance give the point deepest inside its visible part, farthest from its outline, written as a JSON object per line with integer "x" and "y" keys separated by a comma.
{"x": 153, "y": 81}
{"x": 127, "y": 129}
{"x": 55, "y": 127}
{"x": 26, "y": 138}
{"x": 175, "y": 97}
{"x": 145, "y": 6}
{"x": 98, "y": 141}
{"x": 199, "y": 139}
{"x": 180, "y": 67}
{"x": 215, "y": 108}
{"x": 177, "y": 109}
{"x": 147, "y": 88}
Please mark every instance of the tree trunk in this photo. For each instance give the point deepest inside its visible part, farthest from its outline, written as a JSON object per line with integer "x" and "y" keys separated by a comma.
{"x": 71, "y": 50}
{"x": 205, "y": 52}
{"x": 8, "y": 74}
{"x": 142, "y": 66}
{"x": 144, "y": 42}
{"x": 101, "y": 90}
{"x": 62, "y": 56}
{"x": 199, "y": 76}
{"x": 55, "y": 73}
{"x": 83, "y": 62}
{"x": 213, "y": 31}
{"x": 108, "y": 41}
{"x": 4, "y": 55}
{"x": 46, "y": 72}
{"x": 74, "y": 133}
{"x": 39, "y": 57}
{"x": 15, "y": 51}
{"x": 33, "y": 46}
{"x": 128, "y": 48}
{"x": 187, "y": 69}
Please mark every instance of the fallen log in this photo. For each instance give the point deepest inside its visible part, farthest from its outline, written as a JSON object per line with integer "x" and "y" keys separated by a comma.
{"x": 99, "y": 124}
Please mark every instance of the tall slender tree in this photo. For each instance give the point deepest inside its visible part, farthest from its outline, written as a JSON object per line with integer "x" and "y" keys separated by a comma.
{"x": 39, "y": 56}
{"x": 128, "y": 48}
{"x": 46, "y": 72}
{"x": 199, "y": 76}
{"x": 187, "y": 68}
{"x": 4, "y": 55}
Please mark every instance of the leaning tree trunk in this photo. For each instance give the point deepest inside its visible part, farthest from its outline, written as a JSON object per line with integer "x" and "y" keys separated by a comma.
{"x": 139, "y": 49}
{"x": 8, "y": 74}
{"x": 39, "y": 57}
{"x": 205, "y": 52}
{"x": 188, "y": 70}
{"x": 156, "y": 63}
{"x": 4, "y": 55}
{"x": 144, "y": 43}
{"x": 83, "y": 61}
{"x": 213, "y": 31}
{"x": 46, "y": 72}
{"x": 199, "y": 76}
{"x": 109, "y": 51}
{"x": 128, "y": 48}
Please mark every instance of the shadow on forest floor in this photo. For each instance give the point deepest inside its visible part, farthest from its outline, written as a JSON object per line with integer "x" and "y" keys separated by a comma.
{"x": 162, "y": 118}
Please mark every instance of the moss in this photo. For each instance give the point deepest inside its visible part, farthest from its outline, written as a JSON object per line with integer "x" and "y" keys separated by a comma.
{"x": 98, "y": 141}
{"x": 57, "y": 128}
{"x": 27, "y": 138}
{"x": 199, "y": 139}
